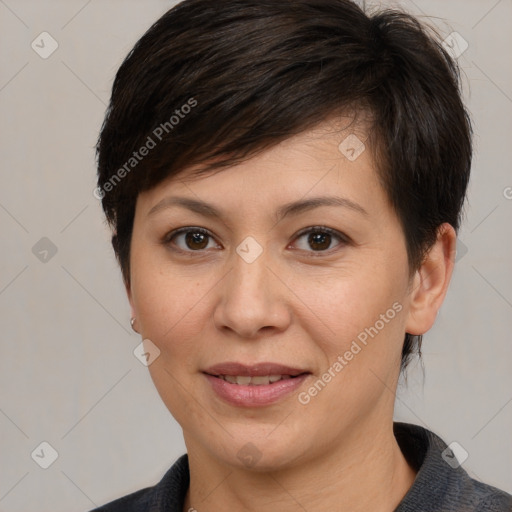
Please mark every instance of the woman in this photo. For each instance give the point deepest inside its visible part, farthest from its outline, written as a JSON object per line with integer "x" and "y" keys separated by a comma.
{"x": 285, "y": 181}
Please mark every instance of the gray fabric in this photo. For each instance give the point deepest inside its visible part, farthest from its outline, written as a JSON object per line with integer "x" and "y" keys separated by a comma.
{"x": 437, "y": 488}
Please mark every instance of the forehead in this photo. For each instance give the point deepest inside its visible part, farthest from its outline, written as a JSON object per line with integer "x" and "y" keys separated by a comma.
{"x": 325, "y": 140}
{"x": 343, "y": 137}
{"x": 332, "y": 158}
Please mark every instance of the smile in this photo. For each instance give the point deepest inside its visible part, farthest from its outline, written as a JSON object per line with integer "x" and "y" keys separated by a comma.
{"x": 254, "y": 391}
{"x": 245, "y": 380}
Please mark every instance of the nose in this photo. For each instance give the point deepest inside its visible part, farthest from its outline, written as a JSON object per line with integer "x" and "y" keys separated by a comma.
{"x": 252, "y": 299}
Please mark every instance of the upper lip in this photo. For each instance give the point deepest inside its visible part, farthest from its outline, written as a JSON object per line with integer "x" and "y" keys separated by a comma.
{"x": 253, "y": 370}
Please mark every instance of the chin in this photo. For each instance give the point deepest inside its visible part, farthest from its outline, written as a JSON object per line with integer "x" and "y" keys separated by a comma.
{"x": 260, "y": 454}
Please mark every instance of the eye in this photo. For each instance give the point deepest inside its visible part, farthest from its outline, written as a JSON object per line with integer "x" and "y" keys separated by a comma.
{"x": 320, "y": 238}
{"x": 192, "y": 239}
{"x": 195, "y": 239}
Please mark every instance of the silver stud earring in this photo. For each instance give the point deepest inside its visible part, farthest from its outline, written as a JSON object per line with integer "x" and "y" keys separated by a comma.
{"x": 132, "y": 321}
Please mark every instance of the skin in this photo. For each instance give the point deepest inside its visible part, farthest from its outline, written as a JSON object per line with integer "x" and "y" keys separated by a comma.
{"x": 293, "y": 305}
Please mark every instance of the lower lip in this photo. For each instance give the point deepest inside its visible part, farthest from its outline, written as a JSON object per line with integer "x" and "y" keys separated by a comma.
{"x": 254, "y": 396}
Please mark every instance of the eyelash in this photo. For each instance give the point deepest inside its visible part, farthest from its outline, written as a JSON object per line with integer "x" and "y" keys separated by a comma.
{"x": 343, "y": 239}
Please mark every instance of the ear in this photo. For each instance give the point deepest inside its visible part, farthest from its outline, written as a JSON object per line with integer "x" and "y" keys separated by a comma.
{"x": 430, "y": 282}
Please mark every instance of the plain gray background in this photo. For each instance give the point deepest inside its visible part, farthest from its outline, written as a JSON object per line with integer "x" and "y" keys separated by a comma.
{"x": 68, "y": 375}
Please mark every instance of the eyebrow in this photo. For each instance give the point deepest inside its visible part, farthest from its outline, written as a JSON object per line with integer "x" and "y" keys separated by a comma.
{"x": 293, "y": 208}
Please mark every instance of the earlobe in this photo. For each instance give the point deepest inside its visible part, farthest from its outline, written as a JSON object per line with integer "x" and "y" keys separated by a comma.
{"x": 133, "y": 315}
{"x": 431, "y": 282}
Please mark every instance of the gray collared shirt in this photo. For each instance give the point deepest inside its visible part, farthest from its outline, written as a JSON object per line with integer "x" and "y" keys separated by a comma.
{"x": 441, "y": 485}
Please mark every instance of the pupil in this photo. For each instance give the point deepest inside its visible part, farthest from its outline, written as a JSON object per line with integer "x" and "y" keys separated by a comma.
{"x": 196, "y": 238}
{"x": 318, "y": 240}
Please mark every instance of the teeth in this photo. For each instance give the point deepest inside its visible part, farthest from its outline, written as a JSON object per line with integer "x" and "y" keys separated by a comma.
{"x": 261, "y": 380}
{"x": 244, "y": 380}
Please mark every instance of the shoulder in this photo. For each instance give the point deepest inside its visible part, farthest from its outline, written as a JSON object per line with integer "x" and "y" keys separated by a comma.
{"x": 491, "y": 499}
{"x": 129, "y": 503}
{"x": 441, "y": 483}
{"x": 167, "y": 495}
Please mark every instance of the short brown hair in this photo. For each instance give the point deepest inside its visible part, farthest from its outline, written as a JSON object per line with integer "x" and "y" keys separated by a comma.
{"x": 252, "y": 73}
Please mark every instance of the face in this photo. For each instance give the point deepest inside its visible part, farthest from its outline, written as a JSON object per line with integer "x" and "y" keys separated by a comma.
{"x": 316, "y": 292}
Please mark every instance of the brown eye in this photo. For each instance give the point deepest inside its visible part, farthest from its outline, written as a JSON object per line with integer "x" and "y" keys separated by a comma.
{"x": 196, "y": 240}
{"x": 189, "y": 239}
{"x": 320, "y": 239}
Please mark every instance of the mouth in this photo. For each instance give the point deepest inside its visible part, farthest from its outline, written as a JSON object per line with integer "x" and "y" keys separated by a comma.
{"x": 254, "y": 370}
{"x": 254, "y": 385}
{"x": 260, "y": 380}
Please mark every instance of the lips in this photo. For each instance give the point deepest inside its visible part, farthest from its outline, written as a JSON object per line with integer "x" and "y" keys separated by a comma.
{"x": 255, "y": 385}
{"x": 255, "y": 370}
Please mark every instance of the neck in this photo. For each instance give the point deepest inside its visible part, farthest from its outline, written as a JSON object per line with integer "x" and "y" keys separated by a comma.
{"x": 366, "y": 471}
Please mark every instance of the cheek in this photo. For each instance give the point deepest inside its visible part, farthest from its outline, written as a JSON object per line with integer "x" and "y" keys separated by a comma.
{"x": 169, "y": 300}
{"x": 173, "y": 317}
{"x": 359, "y": 304}
{"x": 361, "y": 352}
